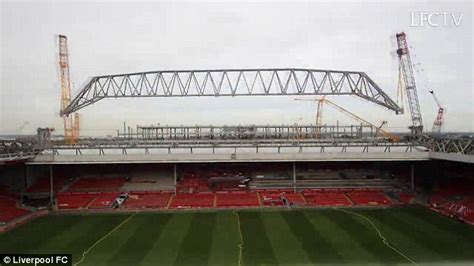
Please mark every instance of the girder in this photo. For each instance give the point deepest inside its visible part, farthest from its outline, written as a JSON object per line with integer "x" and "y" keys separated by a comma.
{"x": 231, "y": 82}
{"x": 241, "y": 146}
{"x": 447, "y": 145}
{"x": 163, "y": 132}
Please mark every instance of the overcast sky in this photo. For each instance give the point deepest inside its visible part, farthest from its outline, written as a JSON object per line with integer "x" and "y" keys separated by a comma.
{"x": 109, "y": 38}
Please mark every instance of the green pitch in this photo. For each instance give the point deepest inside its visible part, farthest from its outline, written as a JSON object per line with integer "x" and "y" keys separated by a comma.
{"x": 412, "y": 235}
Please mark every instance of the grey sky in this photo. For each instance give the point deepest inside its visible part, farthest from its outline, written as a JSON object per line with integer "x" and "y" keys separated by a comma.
{"x": 108, "y": 38}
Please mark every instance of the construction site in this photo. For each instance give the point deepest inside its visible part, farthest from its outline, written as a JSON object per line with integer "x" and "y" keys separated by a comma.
{"x": 181, "y": 147}
{"x": 203, "y": 167}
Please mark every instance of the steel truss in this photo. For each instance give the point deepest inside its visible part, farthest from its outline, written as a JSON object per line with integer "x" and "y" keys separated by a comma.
{"x": 212, "y": 146}
{"x": 20, "y": 156}
{"x": 231, "y": 82}
{"x": 446, "y": 145}
{"x": 248, "y": 132}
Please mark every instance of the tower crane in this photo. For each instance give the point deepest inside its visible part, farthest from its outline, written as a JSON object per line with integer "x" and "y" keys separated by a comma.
{"x": 408, "y": 78}
{"x": 350, "y": 114}
{"x": 71, "y": 123}
{"x": 439, "y": 120}
{"x": 319, "y": 116}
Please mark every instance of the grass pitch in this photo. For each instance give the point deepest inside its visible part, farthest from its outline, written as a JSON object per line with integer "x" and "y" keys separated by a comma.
{"x": 413, "y": 235}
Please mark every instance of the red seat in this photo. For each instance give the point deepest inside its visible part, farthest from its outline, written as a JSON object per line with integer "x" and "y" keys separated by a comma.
{"x": 326, "y": 198}
{"x": 68, "y": 200}
{"x": 405, "y": 197}
{"x": 192, "y": 183}
{"x": 9, "y": 209}
{"x": 237, "y": 199}
{"x": 274, "y": 197}
{"x": 200, "y": 200}
{"x": 104, "y": 200}
{"x": 368, "y": 197}
{"x": 42, "y": 185}
{"x": 154, "y": 199}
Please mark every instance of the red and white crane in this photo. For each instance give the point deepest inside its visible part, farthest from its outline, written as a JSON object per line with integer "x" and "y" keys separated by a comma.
{"x": 408, "y": 78}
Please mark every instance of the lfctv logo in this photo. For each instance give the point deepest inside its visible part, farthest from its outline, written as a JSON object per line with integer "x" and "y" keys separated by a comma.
{"x": 36, "y": 259}
{"x": 435, "y": 19}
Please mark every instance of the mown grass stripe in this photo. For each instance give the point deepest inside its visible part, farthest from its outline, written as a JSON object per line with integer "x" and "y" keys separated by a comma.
{"x": 197, "y": 244}
{"x": 257, "y": 247}
{"x": 432, "y": 239}
{"x": 364, "y": 234}
{"x": 33, "y": 236}
{"x": 350, "y": 250}
{"x": 146, "y": 229}
{"x": 286, "y": 246}
{"x": 381, "y": 235}
{"x": 165, "y": 249}
{"x": 102, "y": 248}
{"x": 403, "y": 237}
{"x": 82, "y": 235}
{"x": 443, "y": 226}
{"x": 317, "y": 248}
{"x": 226, "y": 238}
{"x": 440, "y": 222}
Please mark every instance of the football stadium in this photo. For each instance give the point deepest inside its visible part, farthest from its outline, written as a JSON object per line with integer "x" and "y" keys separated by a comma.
{"x": 336, "y": 186}
{"x": 397, "y": 235}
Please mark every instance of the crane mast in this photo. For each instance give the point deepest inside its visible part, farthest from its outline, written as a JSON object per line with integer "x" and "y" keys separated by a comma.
{"x": 439, "y": 120}
{"x": 319, "y": 116}
{"x": 408, "y": 77}
{"x": 71, "y": 123}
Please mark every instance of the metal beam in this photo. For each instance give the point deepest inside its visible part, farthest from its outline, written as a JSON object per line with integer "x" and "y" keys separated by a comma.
{"x": 226, "y": 157}
{"x": 447, "y": 145}
{"x": 242, "y": 143}
{"x": 231, "y": 82}
{"x": 243, "y": 147}
{"x": 248, "y": 132}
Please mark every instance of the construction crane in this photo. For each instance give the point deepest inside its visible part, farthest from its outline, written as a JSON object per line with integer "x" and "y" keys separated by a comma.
{"x": 319, "y": 116}
{"x": 439, "y": 120}
{"x": 348, "y": 113}
{"x": 23, "y": 126}
{"x": 298, "y": 132}
{"x": 71, "y": 123}
{"x": 408, "y": 78}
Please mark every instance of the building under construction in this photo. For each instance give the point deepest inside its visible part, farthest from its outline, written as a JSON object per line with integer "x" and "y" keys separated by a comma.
{"x": 190, "y": 159}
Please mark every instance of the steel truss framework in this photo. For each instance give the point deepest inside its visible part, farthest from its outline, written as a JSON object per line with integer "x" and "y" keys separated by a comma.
{"x": 211, "y": 146}
{"x": 274, "y": 144}
{"x": 20, "y": 156}
{"x": 14, "y": 149}
{"x": 200, "y": 132}
{"x": 231, "y": 82}
{"x": 460, "y": 146}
